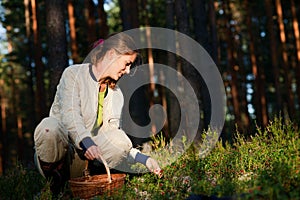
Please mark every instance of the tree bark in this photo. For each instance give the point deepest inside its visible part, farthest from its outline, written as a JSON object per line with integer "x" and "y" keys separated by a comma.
{"x": 73, "y": 37}
{"x": 173, "y": 108}
{"x": 273, "y": 53}
{"x": 129, "y": 14}
{"x": 201, "y": 35}
{"x": 139, "y": 101}
{"x": 189, "y": 72}
{"x": 57, "y": 42}
{"x": 89, "y": 14}
{"x": 213, "y": 31}
{"x": 39, "y": 65}
{"x": 287, "y": 74}
{"x": 232, "y": 68}
{"x": 297, "y": 41}
{"x": 104, "y": 29}
{"x": 3, "y": 106}
{"x": 260, "y": 97}
{"x": 30, "y": 99}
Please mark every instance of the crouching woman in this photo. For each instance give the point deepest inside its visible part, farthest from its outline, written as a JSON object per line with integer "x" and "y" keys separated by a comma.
{"x": 86, "y": 113}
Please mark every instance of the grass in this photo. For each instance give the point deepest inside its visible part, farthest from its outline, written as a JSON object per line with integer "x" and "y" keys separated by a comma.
{"x": 264, "y": 166}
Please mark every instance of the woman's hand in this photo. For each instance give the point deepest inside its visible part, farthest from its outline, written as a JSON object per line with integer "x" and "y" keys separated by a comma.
{"x": 153, "y": 166}
{"x": 92, "y": 153}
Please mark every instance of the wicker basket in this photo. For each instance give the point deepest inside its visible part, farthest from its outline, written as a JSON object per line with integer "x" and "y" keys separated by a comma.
{"x": 89, "y": 186}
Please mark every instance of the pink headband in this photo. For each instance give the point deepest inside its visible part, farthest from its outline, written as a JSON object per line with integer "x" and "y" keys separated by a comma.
{"x": 99, "y": 42}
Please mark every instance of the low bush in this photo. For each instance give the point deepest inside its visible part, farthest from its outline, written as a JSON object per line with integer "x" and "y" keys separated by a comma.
{"x": 264, "y": 166}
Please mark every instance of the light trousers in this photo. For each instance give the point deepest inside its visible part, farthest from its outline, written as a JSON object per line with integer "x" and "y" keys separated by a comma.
{"x": 52, "y": 144}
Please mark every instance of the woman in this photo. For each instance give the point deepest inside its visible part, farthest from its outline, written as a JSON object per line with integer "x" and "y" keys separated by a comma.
{"x": 86, "y": 112}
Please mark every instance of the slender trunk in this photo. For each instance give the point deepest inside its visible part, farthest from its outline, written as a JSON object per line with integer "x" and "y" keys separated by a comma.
{"x": 27, "y": 17}
{"x": 151, "y": 88}
{"x": 182, "y": 21}
{"x": 287, "y": 74}
{"x": 19, "y": 122}
{"x": 297, "y": 41}
{"x": 173, "y": 110}
{"x": 182, "y": 16}
{"x": 200, "y": 23}
{"x": 189, "y": 72}
{"x": 3, "y": 105}
{"x": 273, "y": 54}
{"x": 72, "y": 22}
{"x": 102, "y": 23}
{"x": 39, "y": 66}
{"x": 30, "y": 100}
{"x": 213, "y": 31}
{"x": 139, "y": 100}
{"x": 57, "y": 42}
{"x": 89, "y": 10}
{"x": 259, "y": 98}
{"x": 244, "y": 113}
{"x": 149, "y": 52}
{"x": 201, "y": 36}
{"x": 16, "y": 112}
{"x": 233, "y": 68}
{"x": 129, "y": 14}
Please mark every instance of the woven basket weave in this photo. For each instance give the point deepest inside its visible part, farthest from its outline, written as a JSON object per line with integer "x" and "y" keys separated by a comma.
{"x": 89, "y": 186}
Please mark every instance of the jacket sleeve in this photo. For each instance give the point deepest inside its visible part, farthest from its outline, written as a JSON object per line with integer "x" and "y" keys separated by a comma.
{"x": 71, "y": 115}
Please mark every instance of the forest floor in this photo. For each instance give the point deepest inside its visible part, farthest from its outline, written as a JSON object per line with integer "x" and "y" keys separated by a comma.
{"x": 264, "y": 166}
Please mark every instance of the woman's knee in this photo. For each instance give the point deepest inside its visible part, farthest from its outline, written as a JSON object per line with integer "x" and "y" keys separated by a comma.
{"x": 50, "y": 140}
{"x": 46, "y": 130}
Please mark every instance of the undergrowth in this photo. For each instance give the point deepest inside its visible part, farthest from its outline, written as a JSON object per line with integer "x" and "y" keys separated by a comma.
{"x": 264, "y": 166}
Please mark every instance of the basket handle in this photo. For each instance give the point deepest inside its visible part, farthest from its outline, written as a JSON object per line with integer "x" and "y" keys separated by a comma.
{"x": 87, "y": 173}
{"x": 106, "y": 167}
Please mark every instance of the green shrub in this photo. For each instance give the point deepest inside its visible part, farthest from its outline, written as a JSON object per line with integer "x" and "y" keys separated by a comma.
{"x": 21, "y": 183}
{"x": 264, "y": 166}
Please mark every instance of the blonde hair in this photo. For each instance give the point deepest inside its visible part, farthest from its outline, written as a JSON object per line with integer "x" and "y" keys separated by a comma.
{"x": 122, "y": 43}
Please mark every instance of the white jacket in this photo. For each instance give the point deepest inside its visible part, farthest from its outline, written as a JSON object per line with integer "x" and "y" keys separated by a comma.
{"x": 76, "y": 103}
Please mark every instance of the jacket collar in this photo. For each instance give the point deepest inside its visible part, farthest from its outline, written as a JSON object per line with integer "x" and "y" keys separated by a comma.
{"x": 91, "y": 73}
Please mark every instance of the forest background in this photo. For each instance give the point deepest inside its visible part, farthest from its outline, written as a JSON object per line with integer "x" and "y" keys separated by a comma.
{"x": 255, "y": 45}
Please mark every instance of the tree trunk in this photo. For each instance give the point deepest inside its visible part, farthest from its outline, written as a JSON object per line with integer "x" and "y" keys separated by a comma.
{"x": 139, "y": 101}
{"x": 151, "y": 88}
{"x": 72, "y": 25}
{"x": 89, "y": 11}
{"x": 287, "y": 74}
{"x": 213, "y": 31}
{"x": 31, "y": 122}
{"x": 19, "y": 121}
{"x": 27, "y": 17}
{"x": 273, "y": 54}
{"x": 259, "y": 98}
{"x": 199, "y": 13}
{"x": 242, "y": 74}
{"x": 39, "y": 65}
{"x": 201, "y": 36}
{"x": 232, "y": 68}
{"x": 129, "y": 14}
{"x": 182, "y": 17}
{"x": 5, "y": 100}
{"x": 3, "y": 105}
{"x": 173, "y": 108}
{"x": 297, "y": 41}
{"x": 57, "y": 42}
{"x": 102, "y": 22}
{"x": 189, "y": 72}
